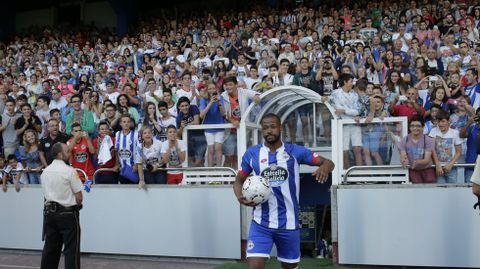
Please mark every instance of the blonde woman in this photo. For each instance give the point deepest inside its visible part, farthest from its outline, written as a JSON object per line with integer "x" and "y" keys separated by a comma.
{"x": 149, "y": 159}
{"x": 30, "y": 156}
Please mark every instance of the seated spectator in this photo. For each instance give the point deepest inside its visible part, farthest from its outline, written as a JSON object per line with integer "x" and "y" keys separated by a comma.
{"x": 174, "y": 152}
{"x": 416, "y": 153}
{"x": 448, "y": 149}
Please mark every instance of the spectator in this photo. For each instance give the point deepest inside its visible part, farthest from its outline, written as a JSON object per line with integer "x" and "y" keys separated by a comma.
{"x": 212, "y": 112}
{"x": 416, "y": 153}
{"x": 16, "y": 172}
{"x": 148, "y": 158}
{"x": 151, "y": 120}
{"x": 126, "y": 143}
{"x": 448, "y": 149}
{"x": 407, "y": 106}
{"x": 9, "y": 136}
{"x": 107, "y": 177}
{"x": 125, "y": 107}
{"x": 166, "y": 119}
{"x": 190, "y": 115}
{"x": 346, "y": 103}
{"x": 174, "y": 152}
{"x": 471, "y": 131}
{"x": 54, "y": 136}
{"x": 30, "y": 156}
{"x": 81, "y": 149}
{"x": 236, "y": 102}
{"x": 83, "y": 117}
{"x": 28, "y": 120}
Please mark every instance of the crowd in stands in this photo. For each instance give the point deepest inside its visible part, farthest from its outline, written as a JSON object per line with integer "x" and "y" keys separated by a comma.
{"x": 123, "y": 102}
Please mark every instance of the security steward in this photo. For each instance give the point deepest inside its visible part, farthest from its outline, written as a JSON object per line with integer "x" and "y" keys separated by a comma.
{"x": 62, "y": 190}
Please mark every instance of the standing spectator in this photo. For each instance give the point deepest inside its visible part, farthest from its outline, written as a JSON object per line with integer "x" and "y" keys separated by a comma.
{"x": 28, "y": 120}
{"x": 54, "y": 136}
{"x": 190, "y": 115}
{"x": 448, "y": 149}
{"x": 187, "y": 89}
{"x": 30, "y": 156}
{"x": 166, "y": 119}
{"x": 9, "y": 136}
{"x": 83, "y": 117}
{"x": 212, "y": 112}
{"x": 107, "y": 177}
{"x": 174, "y": 151}
{"x": 235, "y": 102}
{"x": 406, "y": 106}
{"x": 126, "y": 143}
{"x": 125, "y": 107}
{"x": 346, "y": 103}
{"x": 471, "y": 132}
{"x": 416, "y": 151}
{"x": 148, "y": 158}
{"x": 151, "y": 120}
{"x": 81, "y": 149}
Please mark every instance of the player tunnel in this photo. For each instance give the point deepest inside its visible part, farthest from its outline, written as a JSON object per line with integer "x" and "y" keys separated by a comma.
{"x": 306, "y": 120}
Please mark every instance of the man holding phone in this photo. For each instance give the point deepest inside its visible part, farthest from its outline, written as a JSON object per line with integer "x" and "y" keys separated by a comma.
{"x": 81, "y": 149}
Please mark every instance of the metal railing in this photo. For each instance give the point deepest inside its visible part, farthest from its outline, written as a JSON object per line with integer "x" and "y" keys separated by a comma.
{"x": 187, "y": 169}
{"x": 379, "y": 167}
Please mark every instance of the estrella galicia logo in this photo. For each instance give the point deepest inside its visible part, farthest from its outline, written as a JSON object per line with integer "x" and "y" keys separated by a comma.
{"x": 124, "y": 153}
{"x": 275, "y": 175}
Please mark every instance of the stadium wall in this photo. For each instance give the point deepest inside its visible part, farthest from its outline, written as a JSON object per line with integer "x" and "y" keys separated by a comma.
{"x": 177, "y": 221}
{"x": 407, "y": 225}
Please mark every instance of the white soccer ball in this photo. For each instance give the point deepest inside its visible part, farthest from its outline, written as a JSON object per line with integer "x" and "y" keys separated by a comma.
{"x": 256, "y": 189}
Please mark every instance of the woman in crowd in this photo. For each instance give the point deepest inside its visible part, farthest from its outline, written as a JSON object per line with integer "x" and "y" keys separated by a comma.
{"x": 30, "y": 156}
{"x": 148, "y": 158}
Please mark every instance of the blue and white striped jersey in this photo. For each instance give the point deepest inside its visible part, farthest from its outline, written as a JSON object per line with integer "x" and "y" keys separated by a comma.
{"x": 126, "y": 146}
{"x": 281, "y": 169}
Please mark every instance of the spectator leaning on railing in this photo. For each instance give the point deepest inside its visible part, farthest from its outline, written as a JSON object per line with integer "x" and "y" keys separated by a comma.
{"x": 416, "y": 153}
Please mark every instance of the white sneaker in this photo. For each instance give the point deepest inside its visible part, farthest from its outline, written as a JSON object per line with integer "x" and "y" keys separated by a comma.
{"x": 320, "y": 257}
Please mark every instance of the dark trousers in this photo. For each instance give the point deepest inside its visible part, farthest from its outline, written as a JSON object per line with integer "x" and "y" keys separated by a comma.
{"x": 159, "y": 177}
{"x": 61, "y": 228}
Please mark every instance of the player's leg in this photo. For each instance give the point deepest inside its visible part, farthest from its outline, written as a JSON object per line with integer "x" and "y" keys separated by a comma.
{"x": 288, "y": 247}
{"x": 259, "y": 246}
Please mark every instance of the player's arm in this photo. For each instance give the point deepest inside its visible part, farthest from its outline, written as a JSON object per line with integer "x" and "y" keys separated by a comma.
{"x": 242, "y": 175}
{"x": 237, "y": 188}
{"x": 325, "y": 167}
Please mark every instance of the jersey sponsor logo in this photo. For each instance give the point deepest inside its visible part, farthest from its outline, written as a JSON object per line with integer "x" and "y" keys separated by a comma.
{"x": 276, "y": 175}
{"x": 152, "y": 161}
{"x": 125, "y": 154}
{"x": 81, "y": 157}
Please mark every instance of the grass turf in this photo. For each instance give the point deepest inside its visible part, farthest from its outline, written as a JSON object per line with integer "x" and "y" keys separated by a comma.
{"x": 307, "y": 263}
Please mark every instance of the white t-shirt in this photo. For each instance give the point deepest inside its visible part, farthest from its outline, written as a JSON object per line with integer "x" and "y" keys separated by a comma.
{"x": 182, "y": 92}
{"x": 445, "y": 143}
{"x": 113, "y": 97}
{"x": 174, "y": 158}
{"x": 164, "y": 124}
{"x": 150, "y": 155}
{"x": 23, "y": 177}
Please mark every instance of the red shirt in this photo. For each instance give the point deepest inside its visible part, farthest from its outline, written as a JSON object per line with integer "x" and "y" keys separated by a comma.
{"x": 82, "y": 159}
{"x": 112, "y": 162}
{"x": 408, "y": 111}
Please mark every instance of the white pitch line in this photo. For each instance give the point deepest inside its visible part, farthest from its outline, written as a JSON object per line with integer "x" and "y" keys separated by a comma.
{"x": 18, "y": 266}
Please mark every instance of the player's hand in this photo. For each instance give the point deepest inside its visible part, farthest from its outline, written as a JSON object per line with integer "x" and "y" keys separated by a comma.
{"x": 242, "y": 200}
{"x": 321, "y": 174}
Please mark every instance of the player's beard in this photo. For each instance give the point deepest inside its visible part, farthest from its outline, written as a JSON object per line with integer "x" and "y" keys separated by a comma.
{"x": 271, "y": 139}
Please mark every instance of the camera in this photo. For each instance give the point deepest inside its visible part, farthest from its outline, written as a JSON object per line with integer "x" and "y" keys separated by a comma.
{"x": 149, "y": 167}
{"x": 402, "y": 98}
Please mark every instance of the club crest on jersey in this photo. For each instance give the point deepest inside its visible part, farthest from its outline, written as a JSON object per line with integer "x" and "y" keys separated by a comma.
{"x": 250, "y": 245}
{"x": 81, "y": 157}
{"x": 263, "y": 161}
{"x": 124, "y": 153}
{"x": 276, "y": 175}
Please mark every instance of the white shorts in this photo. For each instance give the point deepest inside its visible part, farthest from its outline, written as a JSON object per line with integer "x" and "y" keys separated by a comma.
{"x": 217, "y": 137}
{"x": 351, "y": 133}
